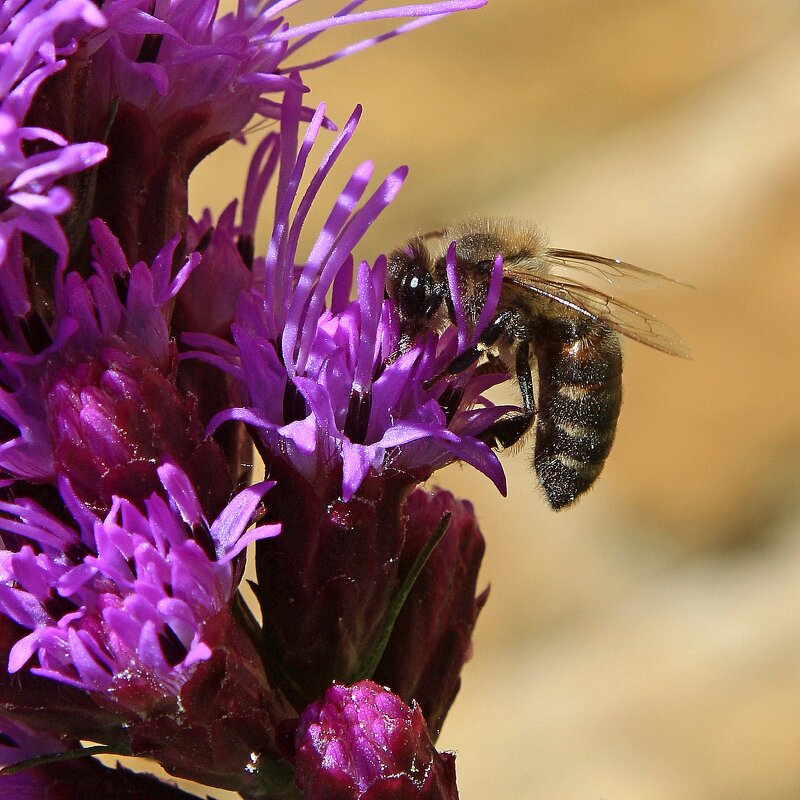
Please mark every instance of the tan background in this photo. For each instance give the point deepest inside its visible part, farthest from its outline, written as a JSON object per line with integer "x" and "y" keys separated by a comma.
{"x": 646, "y": 644}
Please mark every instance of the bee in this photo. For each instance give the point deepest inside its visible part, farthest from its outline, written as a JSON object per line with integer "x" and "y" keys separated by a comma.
{"x": 548, "y": 319}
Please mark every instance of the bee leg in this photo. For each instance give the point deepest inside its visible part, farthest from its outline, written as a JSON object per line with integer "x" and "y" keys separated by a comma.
{"x": 450, "y": 400}
{"x": 464, "y": 361}
{"x": 451, "y": 397}
{"x": 507, "y": 431}
{"x": 357, "y": 419}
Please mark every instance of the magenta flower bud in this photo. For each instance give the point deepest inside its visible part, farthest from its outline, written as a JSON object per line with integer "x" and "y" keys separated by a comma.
{"x": 362, "y": 742}
{"x": 115, "y": 416}
{"x": 432, "y": 638}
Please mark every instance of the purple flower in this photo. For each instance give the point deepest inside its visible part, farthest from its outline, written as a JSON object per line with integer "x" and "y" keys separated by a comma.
{"x": 124, "y": 601}
{"x": 347, "y": 424}
{"x": 33, "y": 159}
{"x": 182, "y": 55}
{"x": 362, "y": 742}
{"x": 172, "y": 83}
{"x": 327, "y": 388}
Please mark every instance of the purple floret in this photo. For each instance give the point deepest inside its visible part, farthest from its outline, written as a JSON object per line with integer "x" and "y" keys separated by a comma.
{"x": 183, "y": 55}
{"x": 34, "y": 39}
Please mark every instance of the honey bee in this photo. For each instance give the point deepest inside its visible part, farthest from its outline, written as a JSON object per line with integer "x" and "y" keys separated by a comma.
{"x": 547, "y": 318}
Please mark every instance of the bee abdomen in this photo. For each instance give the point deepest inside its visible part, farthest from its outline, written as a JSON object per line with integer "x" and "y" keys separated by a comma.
{"x": 580, "y": 393}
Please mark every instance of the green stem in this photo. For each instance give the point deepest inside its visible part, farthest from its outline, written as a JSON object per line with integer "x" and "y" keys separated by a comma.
{"x": 69, "y": 755}
{"x": 275, "y": 782}
{"x": 367, "y": 670}
{"x": 243, "y": 614}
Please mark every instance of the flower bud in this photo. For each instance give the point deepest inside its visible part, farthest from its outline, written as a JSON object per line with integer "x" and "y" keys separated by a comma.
{"x": 431, "y": 639}
{"x": 362, "y": 742}
{"x": 114, "y": 416}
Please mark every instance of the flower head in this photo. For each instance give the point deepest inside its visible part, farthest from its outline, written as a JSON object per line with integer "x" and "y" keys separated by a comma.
{"x": 91, "y": 394}
{"x": 124, "y": 601}
{"x": 183, "y": 56}
{"x": 172, "y": 82}
{"x": 347, "y": 424}
{"x": 327, "y": 386}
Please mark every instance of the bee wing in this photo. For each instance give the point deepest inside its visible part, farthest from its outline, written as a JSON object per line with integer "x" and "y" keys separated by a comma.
{"x": 603, "y": 308}
{"x": 609, "y": 270}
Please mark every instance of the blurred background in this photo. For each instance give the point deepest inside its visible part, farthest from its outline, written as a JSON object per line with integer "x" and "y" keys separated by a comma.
{"x": 644, "y": 645}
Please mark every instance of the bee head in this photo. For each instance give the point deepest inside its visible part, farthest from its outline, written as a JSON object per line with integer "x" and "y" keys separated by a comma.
{"x": 411, "y": 284}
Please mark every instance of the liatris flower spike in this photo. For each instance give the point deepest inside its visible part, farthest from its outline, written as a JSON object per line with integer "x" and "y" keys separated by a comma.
{"x": 143, "y": 353}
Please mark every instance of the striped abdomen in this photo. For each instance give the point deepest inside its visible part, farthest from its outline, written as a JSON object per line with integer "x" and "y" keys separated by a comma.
{"x": 580, "y": 392}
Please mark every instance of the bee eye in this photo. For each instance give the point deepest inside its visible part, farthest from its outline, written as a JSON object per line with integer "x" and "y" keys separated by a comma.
{"x": 415, "y": 293}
